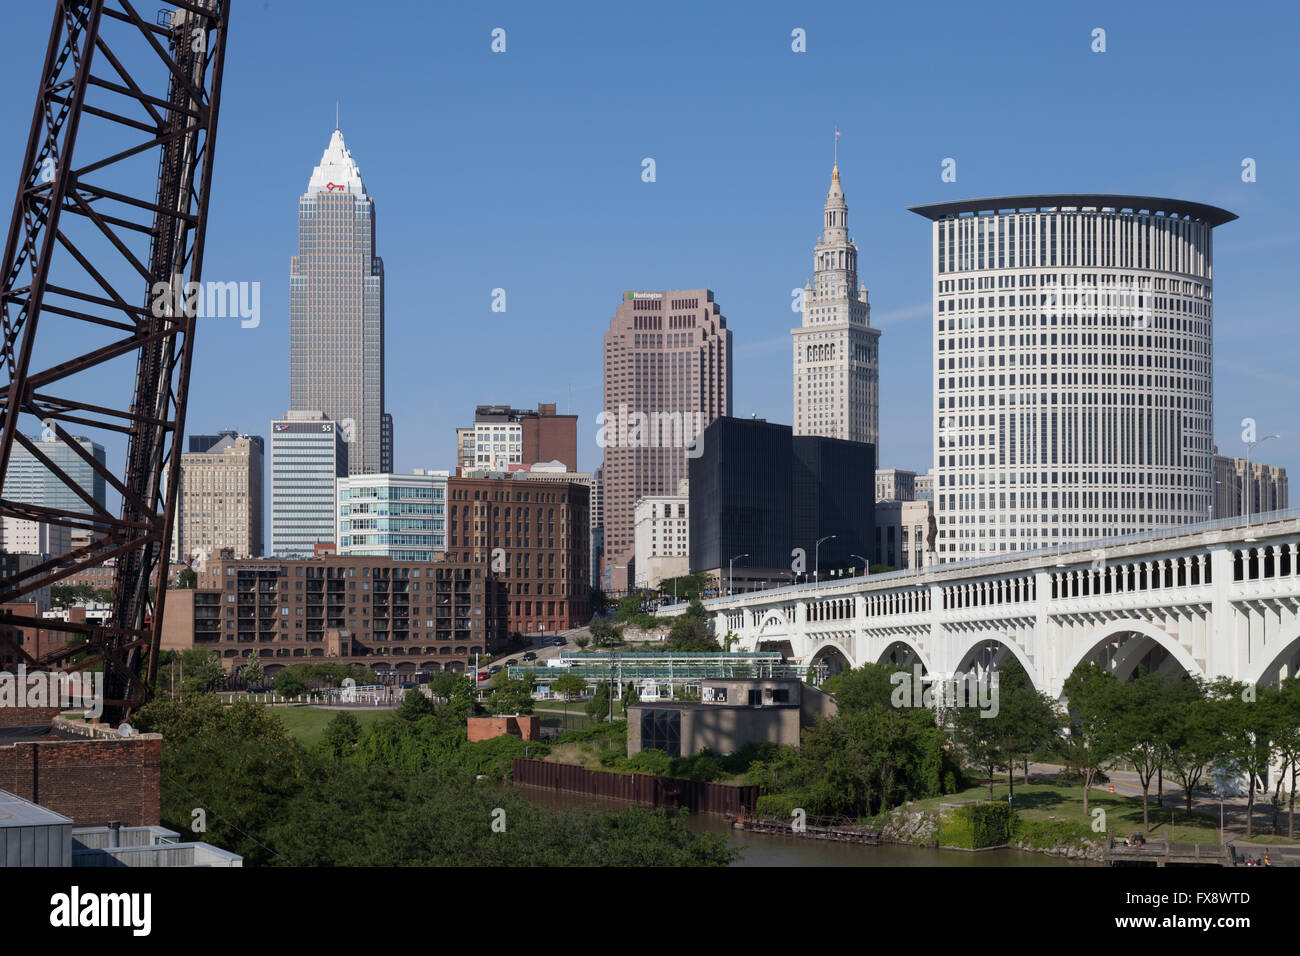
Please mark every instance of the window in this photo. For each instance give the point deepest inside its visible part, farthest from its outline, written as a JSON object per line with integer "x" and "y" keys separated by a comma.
{"x": 662, "y": 730}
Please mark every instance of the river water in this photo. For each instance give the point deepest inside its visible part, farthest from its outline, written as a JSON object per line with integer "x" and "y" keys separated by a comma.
{"x": 764, "y": 849}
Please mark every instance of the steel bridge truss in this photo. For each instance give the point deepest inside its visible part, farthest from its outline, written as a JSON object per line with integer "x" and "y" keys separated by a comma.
{"x": 94, "y": 224}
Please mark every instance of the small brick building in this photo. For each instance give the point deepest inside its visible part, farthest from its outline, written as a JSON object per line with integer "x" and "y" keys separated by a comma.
{"x": 523, "y": 726}
{"x": 83, "y": 771}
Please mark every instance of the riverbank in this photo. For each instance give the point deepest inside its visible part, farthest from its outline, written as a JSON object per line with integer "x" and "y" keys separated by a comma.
{"x": 762, "y": 849}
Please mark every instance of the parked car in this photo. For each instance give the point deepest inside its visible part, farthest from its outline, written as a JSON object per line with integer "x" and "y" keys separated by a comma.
{"x": 407, "y": 685}
{"x": 530, "y": 656}
{"x": 482, "y": 675}
{"x": 494, "y": 669}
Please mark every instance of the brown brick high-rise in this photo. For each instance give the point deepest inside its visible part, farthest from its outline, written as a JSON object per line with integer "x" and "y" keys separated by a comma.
{"x": 541, "y": 530}
{"x": 668, "y": 360}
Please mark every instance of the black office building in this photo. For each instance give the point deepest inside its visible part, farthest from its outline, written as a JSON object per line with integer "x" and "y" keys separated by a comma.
{"x": 834, "y": 494}
{"x": 758, "y": 491}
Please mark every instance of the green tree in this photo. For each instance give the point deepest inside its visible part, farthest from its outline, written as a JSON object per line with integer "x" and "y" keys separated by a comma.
{"x": 252, "y": 671}
{"x": 236, "y": 764}
{"x": 415, "y": 705}
{"x": 1144, "y": 717}
{"x": 871, "y": 685}
{"x": 1192, "y": 740}
{"x": 203, "y": 670}
{"x": 1287, "y": 742}
{"x": 1026, "y": 720}
{"x": 982, "y": 739}
{"x": 604, "y": 633}
{"x": 690, "y": 632}
{"x": 687, "y": 587}
{"x": 569, "y": 685}
{"x": 629, "y": 607}
{"x": 1251, "y": 722}
{"x": 289, "y": 683}
{"x": 598, "y": 706}
{"x": 512, "y": 696}
{"x": 458, "y": 691}
{"x": 1091, "y": 743}
{"x": 340, "y": 735}
{"x": 188, "y": 579}
{"x": 350, "y": 817}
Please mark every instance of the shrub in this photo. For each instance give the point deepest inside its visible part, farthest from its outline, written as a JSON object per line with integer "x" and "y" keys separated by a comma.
{"x": 1045, "y": 834}
{"x": 782, "y": 805}
{"x": 977, "y": 825}
{"x": 650, "y": 761}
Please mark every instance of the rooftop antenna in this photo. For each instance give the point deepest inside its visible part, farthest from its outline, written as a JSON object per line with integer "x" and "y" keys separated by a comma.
{"x": 837, "y": 145}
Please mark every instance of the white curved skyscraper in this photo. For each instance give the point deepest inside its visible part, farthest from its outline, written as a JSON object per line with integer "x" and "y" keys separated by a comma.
{"x": 1073, "y": 377}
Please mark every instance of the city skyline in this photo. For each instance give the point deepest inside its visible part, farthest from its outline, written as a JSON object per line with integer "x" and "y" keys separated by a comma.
{"x": 759, "y": 235}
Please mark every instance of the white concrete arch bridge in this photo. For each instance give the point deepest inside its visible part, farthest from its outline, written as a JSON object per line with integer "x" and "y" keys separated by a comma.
{"x": 1212, "y": 599}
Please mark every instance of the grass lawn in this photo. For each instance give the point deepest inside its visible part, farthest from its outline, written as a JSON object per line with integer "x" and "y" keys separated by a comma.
{"x": 1050, "y": 803}
{"x": 308, "y": 723}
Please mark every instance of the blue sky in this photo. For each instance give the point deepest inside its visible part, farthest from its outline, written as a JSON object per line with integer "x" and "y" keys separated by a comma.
{"x": 522, "y": 171}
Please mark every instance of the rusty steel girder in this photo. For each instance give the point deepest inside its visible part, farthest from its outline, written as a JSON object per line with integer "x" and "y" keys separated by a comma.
{"x": 84, "y": 352}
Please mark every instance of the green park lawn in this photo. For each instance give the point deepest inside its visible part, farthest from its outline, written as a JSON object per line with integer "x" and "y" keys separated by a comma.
{"x": 308, "y": 723}
{"x": 1052, "y": 805}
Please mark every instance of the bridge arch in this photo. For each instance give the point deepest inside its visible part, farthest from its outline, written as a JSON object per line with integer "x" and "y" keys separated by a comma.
{"x": 832, "y": 656}
{"x": 903, "y": 653}
{"x": 775, "y": 618}
{"x": 1284, "y": 662}
{"x": 989, "y": 650}
{"x": 1135, "y": 639}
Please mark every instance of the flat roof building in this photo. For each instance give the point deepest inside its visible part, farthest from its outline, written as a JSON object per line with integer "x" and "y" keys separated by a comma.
{"x": 502, "y": 436}
{"x": 399, "y": 516}
{"x": 219, "y": 502}
{"x": 767, "y": 506}
{"x": 402, "y": 616}
{"x": 308, "y": 453}
{"x": 1073, "y": 386}
{"x": 533, "y": 531}
{"x": 667, "y": 375}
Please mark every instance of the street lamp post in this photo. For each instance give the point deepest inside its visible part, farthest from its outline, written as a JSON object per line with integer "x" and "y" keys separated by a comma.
{"x": 817, "y": 557}
{"x": 866, "y": 565}
{"x": 1250, "y": 447}
{"x": 730, "y": 579}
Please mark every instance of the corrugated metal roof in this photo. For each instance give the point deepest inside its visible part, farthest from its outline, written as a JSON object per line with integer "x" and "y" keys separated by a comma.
{"x": 17, "y": 812}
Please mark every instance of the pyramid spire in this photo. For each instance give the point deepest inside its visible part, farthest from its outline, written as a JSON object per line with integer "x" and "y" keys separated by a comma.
{"x": 338, "y": 171}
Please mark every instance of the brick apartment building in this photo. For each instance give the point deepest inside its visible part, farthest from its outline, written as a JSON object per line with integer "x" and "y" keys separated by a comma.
{"x": 541, "y": 530}
{"x": 389, "y": 615}
{"x": 34, "y": 641}
{"x": 102, "y": 575}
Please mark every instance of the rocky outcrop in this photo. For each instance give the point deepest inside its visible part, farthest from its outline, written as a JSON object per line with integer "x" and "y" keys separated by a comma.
{"x": 911, "y": 826}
